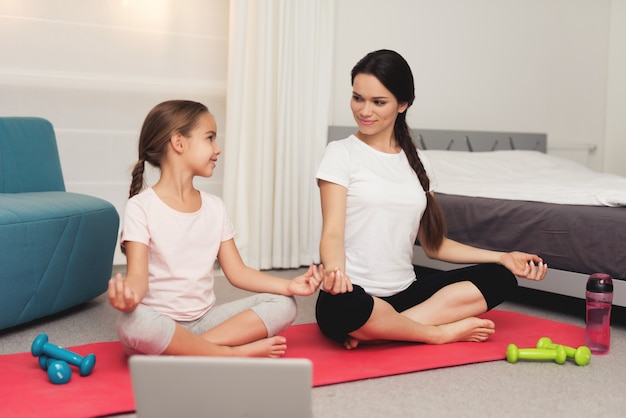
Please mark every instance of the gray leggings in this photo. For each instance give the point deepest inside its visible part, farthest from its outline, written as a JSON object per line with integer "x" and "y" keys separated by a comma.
{"x": 146, "y": 331}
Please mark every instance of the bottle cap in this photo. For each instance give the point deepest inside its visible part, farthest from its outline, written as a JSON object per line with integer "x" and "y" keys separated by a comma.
{"x": 600, "y": 283}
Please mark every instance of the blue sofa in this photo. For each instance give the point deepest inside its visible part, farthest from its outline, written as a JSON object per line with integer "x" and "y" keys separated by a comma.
{"x": 56, "y": 247}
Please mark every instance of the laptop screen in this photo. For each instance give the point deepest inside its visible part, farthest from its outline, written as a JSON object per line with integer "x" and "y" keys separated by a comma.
{"x": 178, "y": 386}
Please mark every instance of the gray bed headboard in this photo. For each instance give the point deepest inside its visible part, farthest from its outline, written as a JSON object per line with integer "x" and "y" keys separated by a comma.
{"x": 462, "y": 140}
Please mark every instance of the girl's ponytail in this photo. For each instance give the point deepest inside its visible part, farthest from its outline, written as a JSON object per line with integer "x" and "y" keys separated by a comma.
{"x": 137, "y": 183}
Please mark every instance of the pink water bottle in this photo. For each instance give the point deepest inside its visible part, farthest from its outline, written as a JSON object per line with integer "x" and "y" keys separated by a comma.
{"x": 599, "y": 298}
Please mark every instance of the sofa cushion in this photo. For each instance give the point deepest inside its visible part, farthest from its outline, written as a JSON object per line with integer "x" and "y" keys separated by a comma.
{"x": 55, "y": 252}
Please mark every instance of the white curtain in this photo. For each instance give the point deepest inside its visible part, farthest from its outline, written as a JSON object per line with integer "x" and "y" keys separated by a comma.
{"x": 279, "y": 86}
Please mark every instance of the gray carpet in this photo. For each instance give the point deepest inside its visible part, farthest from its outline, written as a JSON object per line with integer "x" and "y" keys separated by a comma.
{"x": 493, "y": 389}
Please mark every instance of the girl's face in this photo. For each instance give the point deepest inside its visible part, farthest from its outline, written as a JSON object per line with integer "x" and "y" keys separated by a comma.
{"x": 202, "y": 147}
{"x": 374, "y": 108}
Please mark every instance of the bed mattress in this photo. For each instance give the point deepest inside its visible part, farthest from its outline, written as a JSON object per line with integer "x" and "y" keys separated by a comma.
{"x": 576, "y": 238}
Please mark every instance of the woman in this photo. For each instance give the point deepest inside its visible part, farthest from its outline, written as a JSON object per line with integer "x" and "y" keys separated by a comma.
{"x": 376, "y": 199}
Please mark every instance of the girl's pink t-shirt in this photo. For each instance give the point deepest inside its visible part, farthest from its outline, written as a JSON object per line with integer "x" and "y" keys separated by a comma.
{"x": 182, "y": 249}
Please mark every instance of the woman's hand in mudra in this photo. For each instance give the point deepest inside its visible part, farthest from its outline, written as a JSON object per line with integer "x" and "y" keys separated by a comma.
{"x": 336, "y": 281}
{"x": 524, "y": 265}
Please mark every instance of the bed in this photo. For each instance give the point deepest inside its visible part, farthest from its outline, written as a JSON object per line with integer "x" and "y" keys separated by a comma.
{"x": 502, "y": 191}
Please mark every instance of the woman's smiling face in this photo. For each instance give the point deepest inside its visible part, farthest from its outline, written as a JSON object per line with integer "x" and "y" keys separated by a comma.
{"x": 374, "y": 108}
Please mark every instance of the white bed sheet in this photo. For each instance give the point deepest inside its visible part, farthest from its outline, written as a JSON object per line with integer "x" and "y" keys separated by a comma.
{"x": 524, "y": 175}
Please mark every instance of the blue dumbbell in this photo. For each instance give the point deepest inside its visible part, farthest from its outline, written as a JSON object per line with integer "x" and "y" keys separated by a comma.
{"x": 59, "y": 372}
{"x": 41, "y": 346}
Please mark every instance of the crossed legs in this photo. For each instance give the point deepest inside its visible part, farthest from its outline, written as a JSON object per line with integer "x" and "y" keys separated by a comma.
{"x": 447, "y": 316}
{"x": 246, "y": 327}
{"x": 435, "y": 309}
{"x": 243, "y": 335}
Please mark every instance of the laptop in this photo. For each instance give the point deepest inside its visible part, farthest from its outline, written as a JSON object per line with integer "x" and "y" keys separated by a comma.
{"x": 223, "y": 387}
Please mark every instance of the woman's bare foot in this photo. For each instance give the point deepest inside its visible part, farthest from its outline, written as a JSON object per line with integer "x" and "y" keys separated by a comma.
{"x": 471, "y": 329}
{"x": 266, "y": 347}
{"x": 350, "y": 343}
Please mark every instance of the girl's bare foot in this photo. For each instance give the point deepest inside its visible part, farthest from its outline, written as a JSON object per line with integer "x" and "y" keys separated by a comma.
{"x": 266, "y": 347}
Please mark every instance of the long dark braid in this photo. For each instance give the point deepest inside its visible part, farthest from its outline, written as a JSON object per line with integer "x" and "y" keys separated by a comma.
{"x": 433, "y": 220}
{"x": 392, "y": 70}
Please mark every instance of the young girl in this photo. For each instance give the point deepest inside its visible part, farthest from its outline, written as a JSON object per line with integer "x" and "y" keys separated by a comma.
{"x": 172, "y": 235}
{"x": 376, "y": 199}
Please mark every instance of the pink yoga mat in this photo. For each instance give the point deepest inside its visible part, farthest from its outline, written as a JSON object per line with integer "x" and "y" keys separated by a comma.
{"x": 26, "y": 392}
{"x": 334, "y": 364}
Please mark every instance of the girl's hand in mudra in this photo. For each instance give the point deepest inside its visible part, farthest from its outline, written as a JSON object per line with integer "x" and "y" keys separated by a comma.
{"x": 308, "y": 283}
{"x": 121, "y": 296}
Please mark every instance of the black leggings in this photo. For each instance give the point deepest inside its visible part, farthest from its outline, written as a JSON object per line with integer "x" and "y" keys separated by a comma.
{"x": 338, "y": 315}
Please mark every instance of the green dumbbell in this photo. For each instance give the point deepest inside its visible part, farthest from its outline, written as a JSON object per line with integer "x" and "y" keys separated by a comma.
{"x": 580, "y": 355}
{"x": 513, "y": 353}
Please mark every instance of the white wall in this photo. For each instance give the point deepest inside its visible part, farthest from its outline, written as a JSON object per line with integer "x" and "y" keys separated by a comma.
{"x": 615, "y": 152}
{"x": 511, "y": 65}
{"x": 95, "y": 68}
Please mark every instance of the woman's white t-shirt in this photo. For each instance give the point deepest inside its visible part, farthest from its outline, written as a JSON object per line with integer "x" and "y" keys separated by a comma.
{"x": 182, "y": 249}
{"x": 385, "y": 203}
